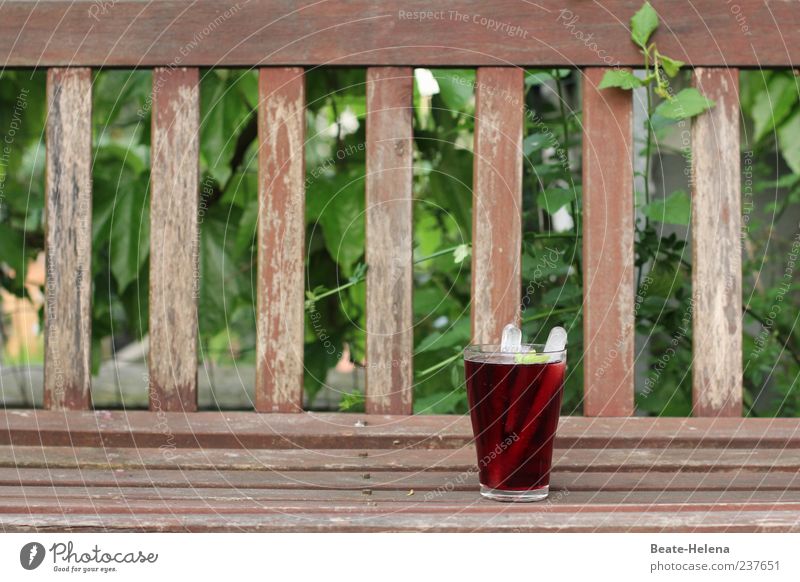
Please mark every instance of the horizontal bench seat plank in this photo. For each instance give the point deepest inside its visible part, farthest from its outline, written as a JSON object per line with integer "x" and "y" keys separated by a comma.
{"x": 734, "y": 480}
{"x": 333, "y": 430}
{"x": 461, "y": 459}
{"x": 690, "y": 521}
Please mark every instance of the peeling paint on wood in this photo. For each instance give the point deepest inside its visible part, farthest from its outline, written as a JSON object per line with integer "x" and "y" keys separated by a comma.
{"x": 716, "y": 248}
{"x": 68, "y": 240}
{"x": 497, "y": 202}
{"x": 608, "y": 256}
{"x": 281, "y": 240}
{"x": 174, "y": 240}
{"x": 389, "y": 373}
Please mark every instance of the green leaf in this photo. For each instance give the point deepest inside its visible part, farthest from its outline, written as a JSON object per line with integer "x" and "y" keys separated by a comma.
{"x": 554, "y": 199}
{"x": 643, "y": 23}
{"x": 458, "y": 334}
{"x": 670, "y": 66}
{"x": 789, "y": 141}
{"x": 12, "y": 242}
{"x": 534, "y": 142}
{"x": 773, "y": 105}
{"x": 537, "y": 77}
{"x": 674, "y": 209}
{"x": 688, "y": 103}
{"x": 456, "y": 87}
{"x": 337, "y": 205}
{"x": 219, "y": 274}
{"x": 620, "y": 78}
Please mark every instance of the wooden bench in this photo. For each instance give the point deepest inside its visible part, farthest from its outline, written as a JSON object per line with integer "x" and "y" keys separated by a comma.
{"x": 277, "y": 468}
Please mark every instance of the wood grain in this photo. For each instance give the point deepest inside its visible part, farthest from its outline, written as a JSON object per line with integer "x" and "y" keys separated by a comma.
{"x": 608, "y": 257}
{"x": 174, "y": 240}
{"x": 281, "y": 240}
{"x": 389, "y": 241}
{"x": 716, "y": 248}
{"x": 364, "y": 32}
{"x": 237, "y": 430}
{"x": 497, "y": 202}
{"x": 68, "y": 240}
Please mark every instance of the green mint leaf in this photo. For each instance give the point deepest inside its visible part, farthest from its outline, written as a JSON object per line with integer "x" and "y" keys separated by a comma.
{"x": 686, "y": 104}
{"x": 670, "y": 66}
{"x": 554, "y": 199}
{"x": 620, "y": 78}
{"x": 531, "y": 358}
{"x": 643, "y": 23}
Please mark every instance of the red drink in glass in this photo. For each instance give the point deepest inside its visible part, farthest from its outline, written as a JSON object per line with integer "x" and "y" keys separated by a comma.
{"x": 514, "y": 401}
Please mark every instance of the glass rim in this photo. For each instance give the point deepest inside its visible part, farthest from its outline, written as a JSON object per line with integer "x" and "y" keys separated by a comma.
{"x": 495, "y": 349}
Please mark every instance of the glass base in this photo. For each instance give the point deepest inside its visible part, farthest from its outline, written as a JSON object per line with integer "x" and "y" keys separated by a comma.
{"x": 537, "y": 494}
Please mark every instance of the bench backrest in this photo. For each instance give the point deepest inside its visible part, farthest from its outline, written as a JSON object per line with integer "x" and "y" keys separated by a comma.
{"x": 284, "y": 39}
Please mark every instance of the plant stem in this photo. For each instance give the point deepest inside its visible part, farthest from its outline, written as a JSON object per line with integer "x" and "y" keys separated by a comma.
{"x": 440, "y": 365}
{"x": 573, "y": 206}
{"x": 552, "y": 312}
{"x": 361, "y": 278}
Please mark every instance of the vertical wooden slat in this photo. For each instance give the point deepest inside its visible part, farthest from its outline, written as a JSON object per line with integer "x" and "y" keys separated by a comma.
{"x": 716, "y": 248}
{"x": 68, "y": 244}
{"x": 608, "y": 257}
{"x": 281, "y": 240}
{"x": 174, "y": 232}
{"x": 497, "y": 202}
{"x": 389, "y": 374}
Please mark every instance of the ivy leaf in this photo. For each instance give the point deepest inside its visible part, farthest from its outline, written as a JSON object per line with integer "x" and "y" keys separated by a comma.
{"x": 643, "y": 23}
{"x": 670, "y": 66}
{"x": 674, "y": 209}
{"x": 620, "y": 78}
{"x": 554, "y": 199}
{"x": 789, "y": 140}
{"x": 688, "y": 103}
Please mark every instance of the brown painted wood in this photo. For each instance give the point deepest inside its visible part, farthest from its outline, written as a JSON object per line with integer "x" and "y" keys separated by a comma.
{"x": 663, "y": 460}
{"x": 716, "y": 248}
{"x": 419, "y": 481}
{"x": 234, "y": 430}
{"x": 363, "y": 32}
{"x": 497, "y": 202}
{"x": 68, "y": 240}
{"x": 389, "y": 241}
{"x": 281, "y": 236}
{"x": 608, "y": 258}
{"x": 174, "y": 240}
{"x": 695, "y": 522}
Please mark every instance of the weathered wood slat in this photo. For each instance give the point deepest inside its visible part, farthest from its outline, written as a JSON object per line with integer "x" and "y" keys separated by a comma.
{"x": 608, "y": 258}
{"x": 722, "y": 500}
{"x": 363, "y": 32}
{"x": 68, "y": 240}
{"x": 174, "y": 240}
{"x": 461, "y": 459}
{"x": 516, "y": 522}
{"x": 716, "y": 248}
{"x": 281, "y": 240}
{"x": 497, "y": 202}
{"x": 389, "y": 240}
{"x": 234, "y": 430}
{"x": 421, "y": 481}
